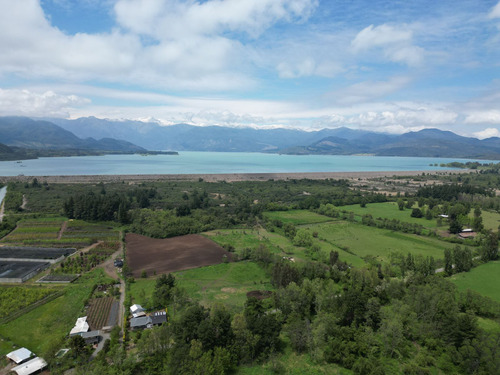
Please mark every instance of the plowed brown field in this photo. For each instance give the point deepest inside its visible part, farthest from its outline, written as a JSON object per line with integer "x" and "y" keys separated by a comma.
{"x": 171, "y": 254}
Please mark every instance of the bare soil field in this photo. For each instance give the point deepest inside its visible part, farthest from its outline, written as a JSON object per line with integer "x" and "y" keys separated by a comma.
{"x": 171, "y": 254}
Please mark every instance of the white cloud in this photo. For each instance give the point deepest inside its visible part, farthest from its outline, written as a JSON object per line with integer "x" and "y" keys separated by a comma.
{"x": 369, "y": 90}
{"x": 495, "y": 12}
{"x": 161, "y": 44}
{"x": 491, "y": 116}
{"x": 25, "y": 102}
{"x": 487, "y": 133}
{"x": 394, "y": 41}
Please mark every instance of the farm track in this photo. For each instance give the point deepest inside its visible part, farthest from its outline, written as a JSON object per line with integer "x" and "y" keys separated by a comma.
{"x": 63, "y": 228}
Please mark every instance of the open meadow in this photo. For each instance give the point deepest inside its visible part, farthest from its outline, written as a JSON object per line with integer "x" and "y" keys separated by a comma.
{"x": 484, "y": 279}
{"x": 226, "y": 283}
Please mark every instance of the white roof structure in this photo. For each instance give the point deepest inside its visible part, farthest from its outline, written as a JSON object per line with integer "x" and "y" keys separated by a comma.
{"x": 19, "y": 355}
{"x": 81, "y": 325}
{"x": 137, "y": 310}
{"x": 30, "y": 367}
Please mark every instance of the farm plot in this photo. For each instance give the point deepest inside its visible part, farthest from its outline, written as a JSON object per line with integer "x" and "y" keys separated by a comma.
{"x": 171, "y": 254}
{"x": 18, "y": 272}
{"x": 98, "y": 312}
{"x": 18, "y": 252}
{"x": 35, "y": 232}
{"x": 84, "y": 262}
{"x": 361, "y": 241}
{"x": 83, "y": 232}
{"x": 60, "y": 233}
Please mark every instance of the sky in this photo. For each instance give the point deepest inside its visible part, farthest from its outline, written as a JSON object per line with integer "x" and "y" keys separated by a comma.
{"x": 382, "y": 65}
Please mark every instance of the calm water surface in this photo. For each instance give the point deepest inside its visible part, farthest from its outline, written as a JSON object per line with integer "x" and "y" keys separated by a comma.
{"x": 215, "y": 163}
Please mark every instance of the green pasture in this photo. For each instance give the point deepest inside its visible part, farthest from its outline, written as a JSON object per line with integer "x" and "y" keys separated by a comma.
{"x": 251, "y": 238}
{"x": 43, "y": 327}
{"x": 389, "y": 210}
{"x": 226, "y": 283}
{"x": 297, "y": 217}
{"x": 360, "y": 241}
{"x": 484, "y": 279}
{"x": 491, "y": 220}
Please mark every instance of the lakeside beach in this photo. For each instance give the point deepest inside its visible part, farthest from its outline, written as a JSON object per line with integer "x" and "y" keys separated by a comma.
{"x": 227, "y": 177}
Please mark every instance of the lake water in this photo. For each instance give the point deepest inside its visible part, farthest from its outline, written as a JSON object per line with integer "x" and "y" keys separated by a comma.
{"x": 215, "y": 163}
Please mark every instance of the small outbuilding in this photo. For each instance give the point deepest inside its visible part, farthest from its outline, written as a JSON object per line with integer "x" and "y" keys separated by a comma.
{"x": 30, "y": 367}
{"x": 20, "y": 355}
{"x": 137, "y": 311}
{"x": 81, "y": 326}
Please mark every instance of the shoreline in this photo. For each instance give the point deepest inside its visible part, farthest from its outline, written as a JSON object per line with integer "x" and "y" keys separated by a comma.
{"x": 226, "y": 177}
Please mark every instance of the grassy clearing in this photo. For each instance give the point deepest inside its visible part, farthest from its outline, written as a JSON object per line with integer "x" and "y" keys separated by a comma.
{"x": 484, "y": 279}
{"x": 491, "y": 220}
{"x": 252, "y": 239}
{"x": 297, "y": 217}
{"x": 45, "y": 326}
{"x": 362, "y": 240}
{"x": 292, "y": 364}
{"x": 227, "y": 283}
{"x": 488, "y": 325}
{"x": 389, "y": 210}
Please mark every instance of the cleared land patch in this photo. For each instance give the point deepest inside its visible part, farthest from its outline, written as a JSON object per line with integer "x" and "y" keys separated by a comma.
{"x": 172, "y": 254}
{"x": 297, "y": 217}
{"x": 484, "y": 279}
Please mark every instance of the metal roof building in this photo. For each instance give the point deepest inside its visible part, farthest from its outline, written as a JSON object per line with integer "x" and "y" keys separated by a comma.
{"x": 81, "y": 326}
{"x": 20, "y": 355}
{"x": 30, "y": 367}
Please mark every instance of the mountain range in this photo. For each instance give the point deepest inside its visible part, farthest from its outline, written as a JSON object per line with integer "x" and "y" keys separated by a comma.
{"x": 92, "y": 134}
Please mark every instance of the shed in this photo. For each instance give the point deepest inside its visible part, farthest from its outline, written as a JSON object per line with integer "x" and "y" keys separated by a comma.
{"x": 81, "y": 326}
{"x": 30, "y": 367}
{"x": 465, "y": 235}
{"x": 20, "y": 355}
{"x": 137, "y": 310}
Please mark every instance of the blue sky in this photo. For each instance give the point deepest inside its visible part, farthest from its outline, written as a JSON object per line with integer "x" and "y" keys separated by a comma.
{"x": 392, "y": 66}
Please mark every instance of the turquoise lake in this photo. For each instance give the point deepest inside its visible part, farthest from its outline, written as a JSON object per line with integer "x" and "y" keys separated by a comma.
{"x": 215, "y": 163}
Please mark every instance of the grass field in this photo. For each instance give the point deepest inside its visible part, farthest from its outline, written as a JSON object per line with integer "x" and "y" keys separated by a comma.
{"x": 362, "y": 240}
{"x": 389, "y": 210}
{"x": 484, "y": 279}
{"x": 491, "y": 220}
{"x": 297, "y": 217}
{"x": 39, "y": 329}
{"x": 227, "y": 283}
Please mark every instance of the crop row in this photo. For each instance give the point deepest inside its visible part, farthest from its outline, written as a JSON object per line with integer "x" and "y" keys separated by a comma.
{"x": 98, "y": 311}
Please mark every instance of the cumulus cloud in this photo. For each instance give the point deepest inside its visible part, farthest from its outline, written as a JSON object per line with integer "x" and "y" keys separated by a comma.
{"x": 174, "y": 44}
{"x": 369, "y": 90}
{"x": 487, "y": 133}
{"x": 395, "y": 42}
{"x": 491, "y": 116}
{"x": 495, "y": 12}
{"x": 25, "y": 102}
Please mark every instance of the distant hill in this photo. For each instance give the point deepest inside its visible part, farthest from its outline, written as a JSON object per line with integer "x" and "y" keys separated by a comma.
{"x": 25, "y": 133}
{"x": 425, "y": 143}
{"x": 83, "y": 133}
